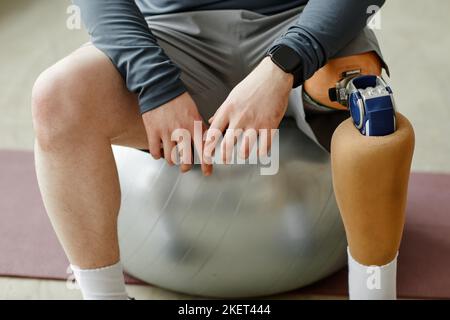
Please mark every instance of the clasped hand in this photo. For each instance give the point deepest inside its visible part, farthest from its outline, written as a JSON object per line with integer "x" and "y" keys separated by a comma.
{"x": 258, "y": 103}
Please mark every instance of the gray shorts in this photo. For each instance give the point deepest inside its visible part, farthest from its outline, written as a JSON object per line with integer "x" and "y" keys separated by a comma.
{"x": 216, "y": 49}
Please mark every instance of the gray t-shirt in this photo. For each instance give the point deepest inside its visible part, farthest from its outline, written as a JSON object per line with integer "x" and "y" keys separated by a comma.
{"x": 118, "y": 28}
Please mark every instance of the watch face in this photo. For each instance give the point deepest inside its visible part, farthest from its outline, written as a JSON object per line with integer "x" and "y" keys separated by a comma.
{"x": 287, "y": 58}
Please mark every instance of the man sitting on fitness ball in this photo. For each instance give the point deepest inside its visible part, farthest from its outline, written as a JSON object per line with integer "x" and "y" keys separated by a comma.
{"x": 155, "y": 66}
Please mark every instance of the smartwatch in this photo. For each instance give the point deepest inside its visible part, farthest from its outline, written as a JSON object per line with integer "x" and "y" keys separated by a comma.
{"x": 289, "y": 61}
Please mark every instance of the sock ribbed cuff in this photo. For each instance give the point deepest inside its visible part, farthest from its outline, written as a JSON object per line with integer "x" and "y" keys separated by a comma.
{"x": 106, "y": 283}
{"x": 372, "y": 282}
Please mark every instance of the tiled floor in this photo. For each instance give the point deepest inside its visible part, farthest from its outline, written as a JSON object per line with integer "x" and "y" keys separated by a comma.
{"x": 414, "y": 36}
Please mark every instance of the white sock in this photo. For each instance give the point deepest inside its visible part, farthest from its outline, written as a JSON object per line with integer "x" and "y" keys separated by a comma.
{"x": 105, "y": 283}
{"x": 372, "y": 282}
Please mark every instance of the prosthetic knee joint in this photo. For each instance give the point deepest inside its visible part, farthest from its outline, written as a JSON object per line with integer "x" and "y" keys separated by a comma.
{"x": 370, "y": 101}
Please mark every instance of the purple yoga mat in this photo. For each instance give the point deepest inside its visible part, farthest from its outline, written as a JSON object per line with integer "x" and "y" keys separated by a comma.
{"x": 29, "y": 248}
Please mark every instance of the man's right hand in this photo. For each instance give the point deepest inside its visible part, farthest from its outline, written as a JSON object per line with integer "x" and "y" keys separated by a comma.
{"x": 160, "y": 123}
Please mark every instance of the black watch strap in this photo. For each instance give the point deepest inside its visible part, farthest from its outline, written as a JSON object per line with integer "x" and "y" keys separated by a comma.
{"x": 289, "y": 61}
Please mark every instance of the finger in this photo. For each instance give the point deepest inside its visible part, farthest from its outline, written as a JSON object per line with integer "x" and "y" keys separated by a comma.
{"x": 185, "y": 166}
{"x": 249, "y": 139}
{"x": 228, "y": 143}
{"x": 265, "y": 141}
{"x": 154, "y": 146}
{"x": 210, "y": 120}
{"x": 213, "y": 135}
{"x": 168, "y": 146}
{"x": 207, "y": 168}
{"x": 198, "y": 143}
{"x": 182, "y": 153}
{"x": 209, "y": 149}
{"x": 185, "y": 154}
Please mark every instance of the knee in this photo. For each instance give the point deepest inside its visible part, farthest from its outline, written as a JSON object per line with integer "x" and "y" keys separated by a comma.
{"x": 59, "y": 109}
{"x": 349, "y": 142}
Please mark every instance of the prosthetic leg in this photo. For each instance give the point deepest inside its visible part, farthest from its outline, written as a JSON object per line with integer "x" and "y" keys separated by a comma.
{"x": 371, "y": 156}
{"x": 370, "y": 179}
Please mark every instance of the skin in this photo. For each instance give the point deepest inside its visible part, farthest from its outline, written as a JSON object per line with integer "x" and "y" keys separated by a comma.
{"x": 74, "y": 132}
{"x": 243, "y": 109}
{"x": 81, "y": 106}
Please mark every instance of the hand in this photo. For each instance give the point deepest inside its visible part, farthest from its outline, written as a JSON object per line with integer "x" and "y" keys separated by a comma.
{"x": 161, "y": 123}
{"x": 257, "y": 102}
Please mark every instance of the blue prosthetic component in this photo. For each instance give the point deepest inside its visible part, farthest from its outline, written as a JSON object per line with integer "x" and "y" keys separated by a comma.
{"x": 371, "y": 105}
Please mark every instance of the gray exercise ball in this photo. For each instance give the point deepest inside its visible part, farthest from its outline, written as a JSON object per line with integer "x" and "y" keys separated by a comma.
{"x": 236, "y": 233}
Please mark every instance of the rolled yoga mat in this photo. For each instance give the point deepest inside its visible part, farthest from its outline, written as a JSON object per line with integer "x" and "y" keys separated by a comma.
{"x": 29, "y": 248}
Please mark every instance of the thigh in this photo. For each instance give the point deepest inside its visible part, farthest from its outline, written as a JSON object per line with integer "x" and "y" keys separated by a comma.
{"x": 216, "y": 49}
{"x": 113, "y": 109}
{"x": 207, "y": 87}
{"x": 195, "y": 44}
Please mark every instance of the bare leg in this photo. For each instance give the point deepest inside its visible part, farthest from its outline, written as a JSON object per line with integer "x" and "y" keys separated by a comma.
{"x": 81, "y": 106}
